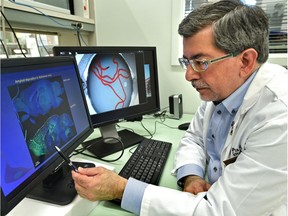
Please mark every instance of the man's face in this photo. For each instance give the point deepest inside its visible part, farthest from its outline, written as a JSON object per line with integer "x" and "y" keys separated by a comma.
{"x": 221, "y": 78}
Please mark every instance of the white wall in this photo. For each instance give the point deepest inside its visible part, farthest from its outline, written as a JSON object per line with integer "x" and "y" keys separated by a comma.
{"x": 145, "y": 23}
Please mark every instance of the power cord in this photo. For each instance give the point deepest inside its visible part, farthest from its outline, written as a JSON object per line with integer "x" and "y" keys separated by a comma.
{"x": 4, "y": 48}
{"x": 162, "y": 117}
{"x": 42, "y": 43}
{"x": 18, "y": 43}
{"x": 77, "y": 27}
{"x": 39, "y": 11}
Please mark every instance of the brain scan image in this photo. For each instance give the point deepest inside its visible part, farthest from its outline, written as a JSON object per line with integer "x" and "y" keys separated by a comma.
{"x": 37, "y": 99}
{"x": 39, "y": 107}
{"x": 108, "y": 81}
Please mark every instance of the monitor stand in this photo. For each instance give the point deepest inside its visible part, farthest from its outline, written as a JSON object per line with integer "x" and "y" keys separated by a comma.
{"x": 57, "y": 188}
{"x": 101, "y": 147}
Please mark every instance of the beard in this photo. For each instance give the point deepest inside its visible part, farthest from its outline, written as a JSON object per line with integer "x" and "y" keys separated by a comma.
{"x": 205, "y": 91}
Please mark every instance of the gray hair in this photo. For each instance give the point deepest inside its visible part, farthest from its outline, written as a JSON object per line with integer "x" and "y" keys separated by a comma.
{"x": 236, "y": 26}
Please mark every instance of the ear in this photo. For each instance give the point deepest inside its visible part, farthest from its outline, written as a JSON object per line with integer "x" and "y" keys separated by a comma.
{"x": 249, "y": 62}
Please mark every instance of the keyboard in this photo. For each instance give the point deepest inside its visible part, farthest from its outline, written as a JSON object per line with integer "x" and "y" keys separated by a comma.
{"x": 147, "y": 161}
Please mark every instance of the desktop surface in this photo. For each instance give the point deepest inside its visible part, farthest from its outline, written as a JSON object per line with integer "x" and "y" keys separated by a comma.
{"x": 164, "y": 133}
{"x": 107, "y": 208}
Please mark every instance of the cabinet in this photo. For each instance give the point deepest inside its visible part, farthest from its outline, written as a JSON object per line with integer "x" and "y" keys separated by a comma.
{"x": 27, "y": 19}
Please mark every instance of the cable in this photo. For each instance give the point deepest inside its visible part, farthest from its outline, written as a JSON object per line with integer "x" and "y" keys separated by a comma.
{"x": 150, "y": 134}
{"x": 4, "y": 48}
{"x": 167, "y": 125}
{"x": 162, "y": 120}
{"x": 13, "y": 34}
{"x": 164, "y": 108}
{"x": 78, "y": 36}
{"x": 38, "y": 47}
{"x": 76, "y": 28}
{"x": 43, "y": 45}
{"x": 127, "y": 128}
{"x": 26, "y": 5}
{"x": 82, "y": 39}
{"x": 81, "y": 151}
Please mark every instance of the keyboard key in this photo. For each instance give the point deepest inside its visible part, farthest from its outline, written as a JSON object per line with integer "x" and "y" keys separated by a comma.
{"x": 147, "y": 162}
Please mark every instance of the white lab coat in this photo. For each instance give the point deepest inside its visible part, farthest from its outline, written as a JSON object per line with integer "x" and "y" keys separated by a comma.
{"x": 256, "y": 183}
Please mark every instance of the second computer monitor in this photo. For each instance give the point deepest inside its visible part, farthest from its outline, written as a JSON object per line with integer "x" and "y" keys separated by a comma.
{"x": 120, "y": 83}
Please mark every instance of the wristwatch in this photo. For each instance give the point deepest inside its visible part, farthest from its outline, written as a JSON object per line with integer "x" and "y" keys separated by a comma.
{"x": 181, "y": 182}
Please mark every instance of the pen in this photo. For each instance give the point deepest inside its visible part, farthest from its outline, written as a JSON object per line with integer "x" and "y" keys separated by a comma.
{"x": 73, "y": 167}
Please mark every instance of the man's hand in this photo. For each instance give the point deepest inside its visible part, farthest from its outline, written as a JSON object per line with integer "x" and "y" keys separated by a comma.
{"x": 195, "y": 184}
{"x": 98, "y": 183}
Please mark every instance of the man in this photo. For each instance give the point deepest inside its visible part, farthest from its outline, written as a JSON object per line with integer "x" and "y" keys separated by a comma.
{"x": 238, "y": 137}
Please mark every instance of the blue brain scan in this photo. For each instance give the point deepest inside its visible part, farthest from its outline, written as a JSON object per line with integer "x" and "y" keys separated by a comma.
{"x": 37, "y": 99}
{"x": 40, "y": 107}
{"x": 108, "y": 81}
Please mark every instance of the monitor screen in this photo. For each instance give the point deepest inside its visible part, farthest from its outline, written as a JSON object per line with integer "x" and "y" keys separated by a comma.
{"x": 120, "y": 83}
{"x": 42, "y": 106}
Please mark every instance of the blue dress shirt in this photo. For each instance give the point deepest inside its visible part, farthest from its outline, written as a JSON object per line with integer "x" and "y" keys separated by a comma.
{"x": 220, "y": 123}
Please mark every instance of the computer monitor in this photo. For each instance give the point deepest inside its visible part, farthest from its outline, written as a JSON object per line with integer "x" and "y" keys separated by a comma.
{"x": 42, "y": 106}
{"x": 120, "y": 83}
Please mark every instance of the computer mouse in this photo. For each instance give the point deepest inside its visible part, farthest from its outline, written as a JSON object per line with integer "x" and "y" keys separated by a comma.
{"x": 184, "y": 126}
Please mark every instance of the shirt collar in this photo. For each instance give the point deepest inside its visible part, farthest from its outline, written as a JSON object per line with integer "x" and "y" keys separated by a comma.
{"x": 233, "y": 102}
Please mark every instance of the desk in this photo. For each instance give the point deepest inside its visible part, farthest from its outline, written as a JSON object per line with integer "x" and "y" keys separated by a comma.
{"x": 105, "y": 208}
{"x": 167, "y": 131}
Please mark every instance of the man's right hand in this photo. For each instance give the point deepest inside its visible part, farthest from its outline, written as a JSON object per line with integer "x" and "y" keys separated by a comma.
{"x": 195, "y": 184}
{"x": 98, "y": 183}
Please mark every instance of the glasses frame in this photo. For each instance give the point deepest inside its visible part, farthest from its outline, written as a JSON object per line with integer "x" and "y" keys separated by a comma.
{"x": 184, "y": 62}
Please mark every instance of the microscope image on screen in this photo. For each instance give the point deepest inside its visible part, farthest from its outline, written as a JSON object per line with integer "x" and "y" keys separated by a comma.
{"x": 39, "y": 105}
{"x": 109, "y": 81}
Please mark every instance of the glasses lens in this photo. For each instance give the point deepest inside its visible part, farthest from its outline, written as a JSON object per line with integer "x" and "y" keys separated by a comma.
{"x": 199, "y": 65}
{"x": 183, "y": 62}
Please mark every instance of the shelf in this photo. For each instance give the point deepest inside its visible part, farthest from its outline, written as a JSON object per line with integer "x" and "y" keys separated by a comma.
{"x": 37, "y": 21}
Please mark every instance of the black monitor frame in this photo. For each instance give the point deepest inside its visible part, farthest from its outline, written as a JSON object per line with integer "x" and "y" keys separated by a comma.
{"x": 106, "y": 121}
{"x": 53, "y": 165}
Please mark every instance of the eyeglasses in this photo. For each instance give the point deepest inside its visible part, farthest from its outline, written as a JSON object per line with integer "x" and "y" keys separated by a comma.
{"x": 201, "y": 65}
